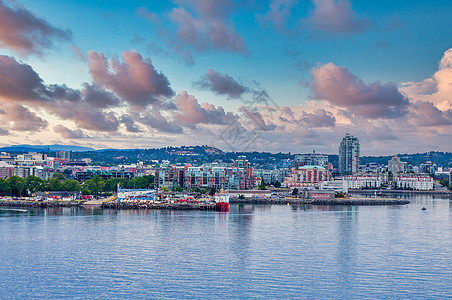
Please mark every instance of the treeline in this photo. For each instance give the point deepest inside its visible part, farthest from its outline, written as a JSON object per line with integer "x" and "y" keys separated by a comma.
{"x": 19, "y": 187}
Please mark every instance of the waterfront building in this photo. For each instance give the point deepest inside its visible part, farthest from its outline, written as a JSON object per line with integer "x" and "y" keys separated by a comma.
{"x": 420, "y": 182}
{"x": 311, "y": 159}
{"x": 6, "y": 170}
{"x": 427, "y": 167}
{"x": 348, "y": 155}
{"x": 306, "y": 176}
{"x": 238, "y": 175}
{"x": 364, "y": 181}
{"x": 396, "y": 166}
{"x": 271, "y": 176}
{"x": 339, "y": 186}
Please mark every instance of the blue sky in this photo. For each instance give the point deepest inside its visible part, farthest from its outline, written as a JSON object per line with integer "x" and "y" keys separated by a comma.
{"x": 325, "y": 66}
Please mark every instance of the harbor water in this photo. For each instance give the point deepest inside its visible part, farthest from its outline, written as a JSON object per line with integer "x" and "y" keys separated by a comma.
{"x": 254, "y": 251}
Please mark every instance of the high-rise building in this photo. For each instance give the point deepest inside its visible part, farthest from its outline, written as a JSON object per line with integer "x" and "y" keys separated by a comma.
{"x": 396, "y": 166}
{"x": 348, "y": 155}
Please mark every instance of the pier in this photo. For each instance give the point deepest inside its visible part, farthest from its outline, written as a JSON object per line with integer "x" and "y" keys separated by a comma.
{"x": 34, "y": 203}
{"x": 170, "y": 206}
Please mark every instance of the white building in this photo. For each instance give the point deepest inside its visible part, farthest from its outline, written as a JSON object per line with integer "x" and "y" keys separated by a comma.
{"x": 420, "y": 182}
{"x": 339, "y": 186}
{"x": 364, "y": 181}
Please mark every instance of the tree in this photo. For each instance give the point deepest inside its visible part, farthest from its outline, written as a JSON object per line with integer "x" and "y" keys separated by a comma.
{"x": 277, "y": 184}
{"x": 71, "y": 186}
{"x": 34, "y": 184}
{"x": 444, "y": 182}
{"x": 295, "y": 192}
{"x": 178, "y": 189}
{"x": 4, "y": 187}
{"x": 53, "y": 184}
{"x": 212, "y": 191}
{"x": 58, "y": 175}
{"x": 16, "y": 186}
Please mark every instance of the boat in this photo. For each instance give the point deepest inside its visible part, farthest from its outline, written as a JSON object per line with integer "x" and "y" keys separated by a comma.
{"x": 222, "y": 201}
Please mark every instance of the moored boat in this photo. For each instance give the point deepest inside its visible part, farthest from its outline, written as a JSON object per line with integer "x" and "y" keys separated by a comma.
{"x": 222, "y": 201}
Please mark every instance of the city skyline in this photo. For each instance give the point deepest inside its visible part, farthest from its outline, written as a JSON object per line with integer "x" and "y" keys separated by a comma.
{"x": 281, "y": 75}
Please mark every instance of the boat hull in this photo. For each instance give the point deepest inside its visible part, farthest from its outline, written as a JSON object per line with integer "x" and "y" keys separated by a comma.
{"x": 222, "y": 206}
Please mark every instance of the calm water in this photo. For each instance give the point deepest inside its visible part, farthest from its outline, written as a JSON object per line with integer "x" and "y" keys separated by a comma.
{"x": 255, "y": 251}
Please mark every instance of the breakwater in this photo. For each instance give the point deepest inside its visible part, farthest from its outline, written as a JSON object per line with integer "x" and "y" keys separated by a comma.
{"x": 337, "y": 201}
{"x": 171, "y": 206}
{"x": 26, "y": 203}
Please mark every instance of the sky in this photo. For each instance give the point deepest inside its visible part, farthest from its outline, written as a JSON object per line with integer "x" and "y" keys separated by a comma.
{"x": 277, "y": 76}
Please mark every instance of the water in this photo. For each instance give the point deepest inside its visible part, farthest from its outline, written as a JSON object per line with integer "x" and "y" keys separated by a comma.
{"x": 254, "y": 251}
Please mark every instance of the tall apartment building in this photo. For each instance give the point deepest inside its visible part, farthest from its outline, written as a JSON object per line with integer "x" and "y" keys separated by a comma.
{"x": 311, "y": 159}
{"x": 63, "y": 155}
{"x": 396, "y": 166}
{"x": 349, "y": 155}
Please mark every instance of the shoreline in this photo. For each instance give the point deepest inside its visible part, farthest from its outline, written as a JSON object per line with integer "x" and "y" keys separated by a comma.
{"x": 372, "y": 191}
{"x": 337, "y": 201}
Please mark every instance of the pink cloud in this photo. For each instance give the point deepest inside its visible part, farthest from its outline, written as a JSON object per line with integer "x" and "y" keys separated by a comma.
{"x": 192, "y": 113}
{"x": 436, "y": 89}
{"x": 20, "y": 118}
{"x": 22, "y": 31}
{"x": 69, "y": 133}
{"x": 335, "y": 17}
{"x": 135, "y": 80}
{"x": 341, "y": 88}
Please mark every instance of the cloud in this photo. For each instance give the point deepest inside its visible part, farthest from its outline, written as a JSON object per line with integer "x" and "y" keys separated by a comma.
{"x": 192, "y": 113}
{"x": 19, "y": 81}
{"x": 78, "y": 53}
{"x": 68, "y": 133}
{"x": 320, "y": 118}
{"x": 427, "y": 114}
{"x": 335, "y": 17}
{"x": 23, "y": 32}
{"x": 154, "y": 119}
{"x": 98, "y": 97}
{"x": 129, "y": 122}
{"x": 436, "y": 89}
{"x": 152, "y": 17}
{"x": 341, "y": 88}
{"x": 211, "y": 28}
{"x": 278, "y": 14}
{"x": 197, "y": 26}
{"x": 221, "y": 84}
{"x": 20, "y": 118}
{"x": 135, "y": 80}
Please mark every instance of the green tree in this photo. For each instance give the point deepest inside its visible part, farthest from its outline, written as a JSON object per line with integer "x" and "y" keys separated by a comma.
{"x": 95, "y": 185}
{"x": 53, "y": 184}
{"x": 4, "y": 187}
{"x": 16, "y": 186}
{"x": 444, "y": 182}
{"x": 71, "y": 186}
{"x": 178, "y": 189}
{"x": 295, "y": 192}
{"x": 277, "y": 184}
{"x": 34, "y": 184}
{"x": 58, "y": 175}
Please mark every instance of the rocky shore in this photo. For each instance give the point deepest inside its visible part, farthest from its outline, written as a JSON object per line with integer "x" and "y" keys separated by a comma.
{"x": 27, "y": 203}
{"x": 337, "y": 201}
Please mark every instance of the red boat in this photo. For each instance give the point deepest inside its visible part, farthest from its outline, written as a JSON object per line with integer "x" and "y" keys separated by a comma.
{"x": 222, "y": 201}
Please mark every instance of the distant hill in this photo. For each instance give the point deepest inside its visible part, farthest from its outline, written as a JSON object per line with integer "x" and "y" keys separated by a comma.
{"x": 43, "y": 148}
